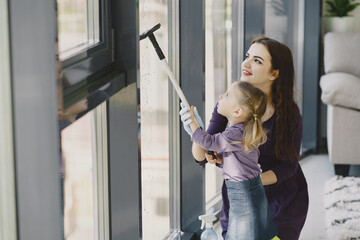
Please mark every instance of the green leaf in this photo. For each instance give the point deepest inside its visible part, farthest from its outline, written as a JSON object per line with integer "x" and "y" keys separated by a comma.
{"x": 342, "y": 7}
{"x": 332, "y": 7}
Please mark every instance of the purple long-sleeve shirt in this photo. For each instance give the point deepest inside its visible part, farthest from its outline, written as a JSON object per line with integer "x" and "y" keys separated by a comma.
{"x": 237, "y": 165}
{"x": 288, "y": 198}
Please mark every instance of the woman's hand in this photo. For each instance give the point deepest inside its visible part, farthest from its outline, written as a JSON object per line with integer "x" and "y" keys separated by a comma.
{"x": 213, "y": 160}
{"x": 268, "y": 178}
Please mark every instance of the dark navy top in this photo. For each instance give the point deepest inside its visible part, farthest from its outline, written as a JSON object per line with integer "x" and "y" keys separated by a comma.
{"x": 288, "y": 198}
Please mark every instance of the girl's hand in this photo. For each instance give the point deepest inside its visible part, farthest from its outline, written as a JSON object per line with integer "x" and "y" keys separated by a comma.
{"x": 195, "y": 120}
{"x": 211, "y": 160}
{"x": 185, "y": 118}
{"x": 192, "y": 116}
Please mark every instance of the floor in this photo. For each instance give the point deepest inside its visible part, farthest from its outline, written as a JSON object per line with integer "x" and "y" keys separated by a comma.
{"x": 317, "y": 169}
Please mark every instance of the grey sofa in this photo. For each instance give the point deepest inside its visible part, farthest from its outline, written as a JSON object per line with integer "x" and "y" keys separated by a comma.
{"x": 341, "y": 92}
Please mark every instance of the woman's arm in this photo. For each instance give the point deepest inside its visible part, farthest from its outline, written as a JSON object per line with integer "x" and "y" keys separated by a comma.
{"x": 217, "y": 122}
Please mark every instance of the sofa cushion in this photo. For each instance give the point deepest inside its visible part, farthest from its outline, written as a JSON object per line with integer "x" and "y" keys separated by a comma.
{"x": 342, "y": 52}
{"x": 340, "y": 89}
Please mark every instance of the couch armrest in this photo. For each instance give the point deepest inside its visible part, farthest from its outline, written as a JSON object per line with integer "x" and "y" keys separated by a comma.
{"x": 340, "y": 89}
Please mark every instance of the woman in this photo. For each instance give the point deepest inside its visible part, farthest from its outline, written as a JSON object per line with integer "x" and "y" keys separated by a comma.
{"x": 269, "y": 66}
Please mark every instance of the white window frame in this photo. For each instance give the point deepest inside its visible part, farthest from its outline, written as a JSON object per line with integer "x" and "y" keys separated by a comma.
{"x": 100, "y": 173}
{"x": 8, "y": 228}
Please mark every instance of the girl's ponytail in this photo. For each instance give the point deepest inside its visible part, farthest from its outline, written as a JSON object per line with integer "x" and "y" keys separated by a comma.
{"x": 254, "y": 134}
{"x": 255, "y": 102}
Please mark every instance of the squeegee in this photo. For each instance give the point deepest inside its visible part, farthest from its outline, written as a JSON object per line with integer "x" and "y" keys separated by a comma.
{"x": 165, "y": 66}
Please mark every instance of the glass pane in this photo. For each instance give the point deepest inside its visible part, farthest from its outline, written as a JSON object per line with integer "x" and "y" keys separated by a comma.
{"x": 217, "y": 74}
{"x": 282, "y": 23}
{"x": 80, "y": 189}
{"x": 78, "y": 25}
{"x": 154, "y": 123}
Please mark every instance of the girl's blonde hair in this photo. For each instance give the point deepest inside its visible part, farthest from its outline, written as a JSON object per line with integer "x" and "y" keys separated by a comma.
{"x": 253, "y": 101}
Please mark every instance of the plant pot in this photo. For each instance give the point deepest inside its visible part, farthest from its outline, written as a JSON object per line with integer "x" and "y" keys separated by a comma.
{"x": 339, "y": 24}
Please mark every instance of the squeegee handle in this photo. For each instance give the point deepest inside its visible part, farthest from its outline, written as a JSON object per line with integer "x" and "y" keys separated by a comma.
{"x": 174, "y": 82}
{"x": 178, "y": 89}
{"x": 156, "y": 46}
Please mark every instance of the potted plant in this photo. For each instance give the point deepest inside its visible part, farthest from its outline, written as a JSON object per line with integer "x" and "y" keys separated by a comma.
{"x": 339, "y": 19}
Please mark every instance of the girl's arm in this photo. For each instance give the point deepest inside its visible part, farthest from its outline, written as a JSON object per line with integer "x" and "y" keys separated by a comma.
{"x": 198, "y": 152}
{"x": 193, "y": 125}
{"x": 220, "y": 142}
{"x": 217, "y": 124}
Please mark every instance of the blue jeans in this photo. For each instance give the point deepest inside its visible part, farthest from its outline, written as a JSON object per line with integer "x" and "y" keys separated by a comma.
{"x": 249, "y": 215}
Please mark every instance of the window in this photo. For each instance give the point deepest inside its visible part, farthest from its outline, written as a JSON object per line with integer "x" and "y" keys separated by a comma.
{"x": 283, "y": 22}
{"x": 78, "y": 26}
{"x": 154, "y": 124}
{"x": 84, "y": 186}
{"x": 84, "y": 44}
{"x": 217, "y": 76}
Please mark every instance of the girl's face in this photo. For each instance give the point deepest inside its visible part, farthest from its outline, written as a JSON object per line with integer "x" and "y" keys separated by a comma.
{"x": 229, "y": 101}
{"x": 256, "y": 68}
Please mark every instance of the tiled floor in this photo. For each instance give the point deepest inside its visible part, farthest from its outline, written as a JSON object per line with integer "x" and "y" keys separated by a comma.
{"x": 317, "y": 169}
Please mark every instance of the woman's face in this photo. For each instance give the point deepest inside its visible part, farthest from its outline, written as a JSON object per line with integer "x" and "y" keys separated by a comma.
{"x": 256, "y": 68}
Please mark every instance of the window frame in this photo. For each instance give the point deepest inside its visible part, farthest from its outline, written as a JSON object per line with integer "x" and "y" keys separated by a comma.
{"x": 174, "y": 123}
{"x": 8, "y": 218}
{"x": 192, "y": 66}
{"x": 35, "y": 126}
{"x": 101, "y": 173}
{"x": 94, "y": 63}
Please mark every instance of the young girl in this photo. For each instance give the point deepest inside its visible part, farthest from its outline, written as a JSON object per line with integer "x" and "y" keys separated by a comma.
{"x": 243, "y": 105}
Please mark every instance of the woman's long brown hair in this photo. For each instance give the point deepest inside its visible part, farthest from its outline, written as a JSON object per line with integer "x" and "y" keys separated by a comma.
{"x": 282, "y": 91}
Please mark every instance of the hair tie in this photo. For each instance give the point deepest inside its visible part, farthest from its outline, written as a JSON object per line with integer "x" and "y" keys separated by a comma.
{"x": 255, "y": 116}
